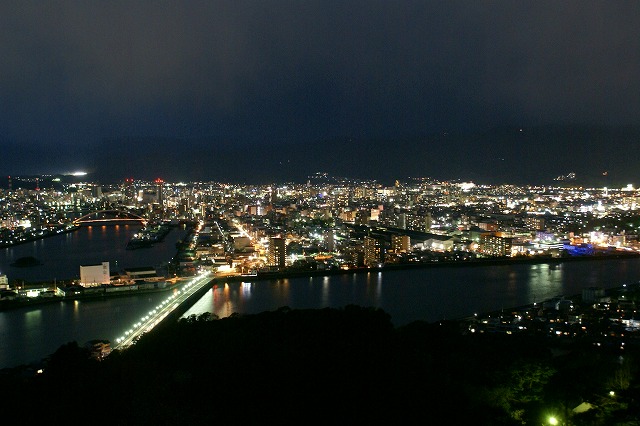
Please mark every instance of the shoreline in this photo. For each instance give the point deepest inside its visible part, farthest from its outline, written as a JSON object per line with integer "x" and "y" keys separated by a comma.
{"x": 8, "y": 305}
{"x": 438, "y": 264}
{"x": 47, "y": 234}
{"x": 16, "y": 304}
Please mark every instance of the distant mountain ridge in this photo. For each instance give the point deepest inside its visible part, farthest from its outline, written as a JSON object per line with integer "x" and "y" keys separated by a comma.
{"x": 597, "y": 155}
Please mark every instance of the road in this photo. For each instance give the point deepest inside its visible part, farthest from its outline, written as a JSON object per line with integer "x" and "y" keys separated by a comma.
{"x": 155, "y": 316}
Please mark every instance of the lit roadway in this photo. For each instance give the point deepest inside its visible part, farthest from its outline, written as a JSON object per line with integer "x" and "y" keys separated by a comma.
{"x": 155, "y": 316}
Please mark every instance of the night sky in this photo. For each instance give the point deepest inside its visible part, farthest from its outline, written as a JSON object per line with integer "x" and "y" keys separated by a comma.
{"x": 253, "y": 91}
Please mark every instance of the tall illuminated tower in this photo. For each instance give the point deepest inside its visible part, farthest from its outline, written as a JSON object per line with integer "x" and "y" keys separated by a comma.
{"x": 159, "y": 183}
{"x": 277, "y": 252}
{"x": 373, "y": 251}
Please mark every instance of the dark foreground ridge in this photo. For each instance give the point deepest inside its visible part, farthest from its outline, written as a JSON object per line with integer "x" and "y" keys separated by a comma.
{"x": 337, "y": 366}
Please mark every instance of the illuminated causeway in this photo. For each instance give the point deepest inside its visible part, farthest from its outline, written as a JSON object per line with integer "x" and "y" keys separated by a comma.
{"x": 155, "y": 316}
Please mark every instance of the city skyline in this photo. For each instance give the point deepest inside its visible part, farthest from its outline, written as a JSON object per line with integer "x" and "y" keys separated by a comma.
{"x": 257, "y": 91}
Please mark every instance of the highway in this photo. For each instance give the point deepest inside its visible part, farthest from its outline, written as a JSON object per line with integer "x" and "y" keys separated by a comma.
{"x": 155, "y": 316}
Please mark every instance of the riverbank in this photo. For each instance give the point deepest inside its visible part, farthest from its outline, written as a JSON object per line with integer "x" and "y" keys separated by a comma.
{"x": 555, "y": 261}
{"x": 439, "y": 264}
{"x": 6, "y": 305}
{"x": 43, "y": 233}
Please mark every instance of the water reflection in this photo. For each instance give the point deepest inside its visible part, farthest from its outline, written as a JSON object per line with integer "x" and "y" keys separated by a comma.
{"x": 246, "y": 290}
{"x": 428, "y": 294}
{"x": 63, "y": 254}
{"x": 33, "y": 319}
{"x": 545, "y": 280}
{"x": 224, "y": 305}
{"x": 512, "y": 281}
{"x": 325, "y": 292}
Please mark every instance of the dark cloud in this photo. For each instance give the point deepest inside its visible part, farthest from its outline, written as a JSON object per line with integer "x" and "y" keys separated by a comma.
{"x": 269, "y": 74}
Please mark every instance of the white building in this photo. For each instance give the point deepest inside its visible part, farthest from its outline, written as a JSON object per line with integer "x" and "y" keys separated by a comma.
{"x": 92, "y": 275}
{"x": 4, "y": 282}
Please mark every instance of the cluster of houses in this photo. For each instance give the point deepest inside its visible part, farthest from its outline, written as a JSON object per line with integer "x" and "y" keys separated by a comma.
{"x": 609, "y": 317}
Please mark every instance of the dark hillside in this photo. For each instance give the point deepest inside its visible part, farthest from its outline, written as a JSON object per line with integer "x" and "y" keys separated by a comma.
{"x": 318, "y": 366}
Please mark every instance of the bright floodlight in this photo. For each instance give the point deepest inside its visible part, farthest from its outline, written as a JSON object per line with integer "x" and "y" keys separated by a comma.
{"x": 553, "y": 420}
{"x": 78, "y": 173}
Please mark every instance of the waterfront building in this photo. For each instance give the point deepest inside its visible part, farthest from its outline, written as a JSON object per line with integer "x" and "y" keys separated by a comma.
{"x": 4, "y": 282}
{"x": 141, "y": 273}
{"x": 92, "y": 275}
{"x": 373, "y": 250}
{"x": 494, "y": 245}
{"x": 401, "y": 243}
{"x": 277, "y": 252}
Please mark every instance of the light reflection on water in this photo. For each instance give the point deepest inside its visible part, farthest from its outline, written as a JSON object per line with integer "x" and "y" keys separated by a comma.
{"x": 63, "y": 254}
{"x": 33, "y": 319}
{"x": 325, "y": 291}
{"x": 378, "y": 288}
{"x": 246, "y": 290}
{"x": 428, "y": 294}
{"x": 544, "y": 280}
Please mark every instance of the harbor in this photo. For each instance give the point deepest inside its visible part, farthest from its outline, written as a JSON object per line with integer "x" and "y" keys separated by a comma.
{"x": 148, "y": 236}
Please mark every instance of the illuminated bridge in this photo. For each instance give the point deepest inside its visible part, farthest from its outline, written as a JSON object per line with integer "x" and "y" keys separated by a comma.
{"x": 109, "y": 216}
{"x": 187, "y": 295}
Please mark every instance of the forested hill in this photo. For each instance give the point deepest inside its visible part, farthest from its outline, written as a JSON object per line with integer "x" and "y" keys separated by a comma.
{"x": 345, "y": 366}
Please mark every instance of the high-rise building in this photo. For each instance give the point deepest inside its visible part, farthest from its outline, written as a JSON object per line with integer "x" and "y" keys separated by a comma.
{"x": 96, "y": 191}
{"x": 400, "y": 243}
{"x": 330, "y": 240}
{"x": 373, "y": 251}
{"x": 129, "y": 191}
{"x": 277, "y": 252}
{"x": 160, "y": 198}
{"x": 493, "y": 245}
{"x": 401, "y": 221}
{"x": 428, "y": 221}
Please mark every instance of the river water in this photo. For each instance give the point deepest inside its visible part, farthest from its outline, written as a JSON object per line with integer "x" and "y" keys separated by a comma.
{"x": 429, "y": 294}
{"x": 62, "y": 255}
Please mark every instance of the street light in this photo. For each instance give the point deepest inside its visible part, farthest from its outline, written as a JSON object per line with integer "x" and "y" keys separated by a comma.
{"x": 553, "y": 420}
